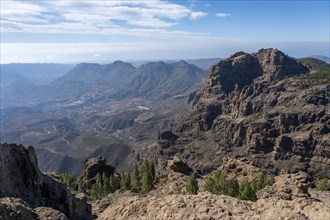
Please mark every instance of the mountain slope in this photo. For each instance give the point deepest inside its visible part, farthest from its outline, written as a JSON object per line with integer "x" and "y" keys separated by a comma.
{"x": 161, "y": 80}
{"x": 254, "y": 106}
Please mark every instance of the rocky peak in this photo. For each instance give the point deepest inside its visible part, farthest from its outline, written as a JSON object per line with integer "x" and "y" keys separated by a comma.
{"x": 241, "y": 69}
{"x": 233, "y": 73}
{"x": 277, "y": 65}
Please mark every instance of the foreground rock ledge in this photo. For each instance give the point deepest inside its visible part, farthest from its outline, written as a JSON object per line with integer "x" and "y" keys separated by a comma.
{"x": 210, "y": 206}
{"x": 26, "y": 193}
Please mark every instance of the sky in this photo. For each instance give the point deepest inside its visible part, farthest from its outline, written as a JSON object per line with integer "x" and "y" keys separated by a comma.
{"x": 65, "y": 31}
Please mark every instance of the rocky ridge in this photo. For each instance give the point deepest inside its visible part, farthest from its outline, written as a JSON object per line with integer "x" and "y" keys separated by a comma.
{"x": 26, "y": 193}
{"x": 253, "y": 106}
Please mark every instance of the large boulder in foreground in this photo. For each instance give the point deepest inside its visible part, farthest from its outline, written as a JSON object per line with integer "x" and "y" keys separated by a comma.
{"x": 21, "y": 178}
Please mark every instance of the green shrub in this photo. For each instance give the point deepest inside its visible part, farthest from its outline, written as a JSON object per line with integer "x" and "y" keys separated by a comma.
{"x": 192, "y": 185}
{"x": 323, "y": 185}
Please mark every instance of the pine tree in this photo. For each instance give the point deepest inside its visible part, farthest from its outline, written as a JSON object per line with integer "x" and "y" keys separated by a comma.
{"x": 80, "y": 185}
{"x": 233, "y": 187}
{"x": 106, "y": 185}
{"x": 147, "y": 183}
{"x": 220, "y": 183}
{"x": 152, "y": 171}
{"x": 136, "y": 179}
{"x": 71, "y": 182}
{"x": 113, "y": 184}
{"x": 129, "y": 182}
{"x": 126, "y": 181}
{"x": 192, "y": 185}
{"x": 144, "y": 167}
{"x": 209, "y": 185}
{"x": 94, "y": 192}
{"x": 262, "y": 182}
{"x": 246, "y": 192}
{"x": 99, "y": 185}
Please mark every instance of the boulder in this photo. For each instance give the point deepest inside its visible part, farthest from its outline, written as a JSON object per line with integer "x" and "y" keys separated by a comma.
{"x": 179, "y": 166}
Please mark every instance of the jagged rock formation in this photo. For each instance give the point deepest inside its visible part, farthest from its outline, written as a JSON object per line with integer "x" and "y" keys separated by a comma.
{"x": 21, "y": 178}
{"x": 96, "y": 165}
{"x": 253, "y": 106}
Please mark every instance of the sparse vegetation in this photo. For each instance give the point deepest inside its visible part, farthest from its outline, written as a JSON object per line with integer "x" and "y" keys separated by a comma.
{"x": 320, "y": 73}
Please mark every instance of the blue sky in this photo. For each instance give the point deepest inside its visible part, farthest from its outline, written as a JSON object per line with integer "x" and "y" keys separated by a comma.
{"x": 102, "y": 31}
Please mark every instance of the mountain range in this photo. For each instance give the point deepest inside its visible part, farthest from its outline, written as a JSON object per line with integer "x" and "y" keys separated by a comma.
{"x": 98, "y": 109}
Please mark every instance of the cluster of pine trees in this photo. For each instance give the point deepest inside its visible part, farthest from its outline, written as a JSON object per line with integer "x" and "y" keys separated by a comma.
{"x": 69, "y": 180}
{"x": 246, "y": 190}
{"x": 142, "y": 180}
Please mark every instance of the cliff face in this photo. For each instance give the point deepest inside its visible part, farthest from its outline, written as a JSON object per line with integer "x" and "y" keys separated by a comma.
{"x": 21, "y": 178}
{"x": 253, "y": 106}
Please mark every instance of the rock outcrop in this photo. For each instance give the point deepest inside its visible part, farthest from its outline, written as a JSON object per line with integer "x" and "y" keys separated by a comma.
{"x": 253, "y": 106}
{"x": 24, "y": 188}
{"x": 96, "y": 165}
{"x": 178, "y": 165}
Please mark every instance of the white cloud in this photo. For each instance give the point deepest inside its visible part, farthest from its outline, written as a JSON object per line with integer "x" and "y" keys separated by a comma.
{"x": 197, "y": 15}
{"x": 223, "y": 15}
{"x": 92, "y": 16}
